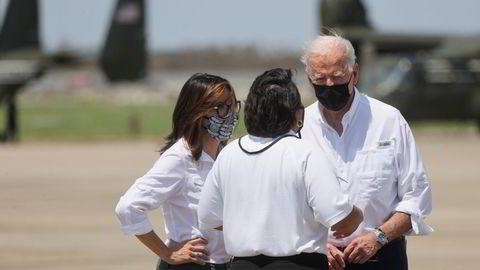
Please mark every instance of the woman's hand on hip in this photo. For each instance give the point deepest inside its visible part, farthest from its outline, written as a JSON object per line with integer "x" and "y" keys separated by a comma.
{"x": 194, "y": 251}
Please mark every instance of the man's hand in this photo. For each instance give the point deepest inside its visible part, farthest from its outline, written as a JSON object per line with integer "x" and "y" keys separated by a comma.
{"x": 189, "y": 251}
{"x": 335, "y": 258}
{"x": 361, "y": 249}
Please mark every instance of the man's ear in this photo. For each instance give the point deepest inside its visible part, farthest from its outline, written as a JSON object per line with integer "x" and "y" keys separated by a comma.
{"x": 356, "y": 70}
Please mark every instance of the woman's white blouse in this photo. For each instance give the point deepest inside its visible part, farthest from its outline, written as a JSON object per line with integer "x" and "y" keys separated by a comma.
{"x": 174, "y": 183}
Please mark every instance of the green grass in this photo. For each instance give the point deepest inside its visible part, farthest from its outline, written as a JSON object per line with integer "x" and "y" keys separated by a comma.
{"x": 70, "y": 118}
{"x": 67, "y": 118}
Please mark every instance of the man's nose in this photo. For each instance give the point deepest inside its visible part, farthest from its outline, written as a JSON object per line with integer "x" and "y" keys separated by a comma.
{"x": 329, "y": 82}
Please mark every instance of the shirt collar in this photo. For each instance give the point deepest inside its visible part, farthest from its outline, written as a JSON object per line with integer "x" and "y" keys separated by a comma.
{"x": 255, "y": 143}
{"x": 204, "y": 157}
{"x": 347, "y": 118}
{"x": 268, "y": 139}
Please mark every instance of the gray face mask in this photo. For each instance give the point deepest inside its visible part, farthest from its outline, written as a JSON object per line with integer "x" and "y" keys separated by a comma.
{"x": 221, "y": 128}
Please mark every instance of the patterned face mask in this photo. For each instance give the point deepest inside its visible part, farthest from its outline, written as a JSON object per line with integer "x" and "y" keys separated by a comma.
{"x": 221, "y": 128}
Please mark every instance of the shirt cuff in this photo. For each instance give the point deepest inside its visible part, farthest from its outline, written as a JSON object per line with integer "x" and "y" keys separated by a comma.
{"x": 344, "y": 212}
{"x": 137, "y": 228}
{"x": 419, "y": 227}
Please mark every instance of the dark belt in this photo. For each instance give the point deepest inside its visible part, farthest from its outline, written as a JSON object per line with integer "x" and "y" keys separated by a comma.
{"x": 192, "y": 266}
{"x": 315, "y": 260}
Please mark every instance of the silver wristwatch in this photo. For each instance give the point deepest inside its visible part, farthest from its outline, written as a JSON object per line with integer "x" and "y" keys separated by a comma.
{"x": 381, "y": 237}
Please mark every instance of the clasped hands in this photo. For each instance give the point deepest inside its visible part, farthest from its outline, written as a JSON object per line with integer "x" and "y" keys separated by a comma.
{"x": 360, "y": 250}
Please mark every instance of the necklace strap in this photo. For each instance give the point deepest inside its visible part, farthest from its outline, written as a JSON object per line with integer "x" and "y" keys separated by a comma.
{"x": 266, "y": 147}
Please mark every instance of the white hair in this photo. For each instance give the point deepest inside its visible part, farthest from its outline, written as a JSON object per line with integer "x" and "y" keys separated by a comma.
{"x": 323, "y": 44}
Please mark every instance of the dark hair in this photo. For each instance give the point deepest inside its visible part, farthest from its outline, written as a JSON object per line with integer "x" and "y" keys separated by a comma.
{"x": 271, "y": 104}
{"x": 199, "y": 94}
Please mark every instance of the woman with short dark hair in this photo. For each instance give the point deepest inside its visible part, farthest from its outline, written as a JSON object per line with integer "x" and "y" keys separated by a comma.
{"x": 204, "y": 116}
{"x": 275, "y": 196}
{"x": 271, "y": 105}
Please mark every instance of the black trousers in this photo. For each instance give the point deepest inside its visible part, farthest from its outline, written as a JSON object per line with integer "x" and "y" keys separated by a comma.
{"x": 190, "y": 266}
{"x": 392, "y": 256}
{"x": 303, "y": 261}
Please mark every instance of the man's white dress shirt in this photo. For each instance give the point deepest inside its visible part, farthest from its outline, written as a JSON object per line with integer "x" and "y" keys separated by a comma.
{"x": 174, "y": 183}
{"x": 280, "y": 202}
{"x": 377, "y": 163}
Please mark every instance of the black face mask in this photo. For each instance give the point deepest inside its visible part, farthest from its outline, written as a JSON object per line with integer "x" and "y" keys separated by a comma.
{"x": 334, "y": 97}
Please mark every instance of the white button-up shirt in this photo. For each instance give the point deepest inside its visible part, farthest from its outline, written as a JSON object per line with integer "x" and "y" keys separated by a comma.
{"x": 277, "y": 203}
{"x": 377, "y": 163}
{"x": 174, "y": 183}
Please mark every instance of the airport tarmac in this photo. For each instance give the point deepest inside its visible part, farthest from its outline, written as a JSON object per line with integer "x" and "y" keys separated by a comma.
{"x": 57, "y": 204}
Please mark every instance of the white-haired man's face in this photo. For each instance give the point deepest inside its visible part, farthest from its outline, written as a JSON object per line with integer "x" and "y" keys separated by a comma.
{"x": 328, "y": 69}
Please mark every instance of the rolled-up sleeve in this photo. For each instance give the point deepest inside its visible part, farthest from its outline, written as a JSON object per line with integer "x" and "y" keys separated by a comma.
{"x": 165, "y": 179}
{"x": 330, "y": 205}
{"x": 414, "y": 189}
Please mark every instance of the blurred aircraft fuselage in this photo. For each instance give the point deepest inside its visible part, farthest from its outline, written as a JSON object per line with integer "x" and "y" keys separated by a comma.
{"x": 426, "y": 77}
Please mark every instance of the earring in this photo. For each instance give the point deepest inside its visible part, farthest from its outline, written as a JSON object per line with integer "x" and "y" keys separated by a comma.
{"x": 299, "y": 123}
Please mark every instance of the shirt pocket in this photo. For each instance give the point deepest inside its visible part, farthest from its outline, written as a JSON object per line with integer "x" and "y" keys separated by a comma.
{"x": 375, "y": 163}
{"x": 194, "y": 189}
{"x": 373, "y": 172}
{"x": 363, "y": 188}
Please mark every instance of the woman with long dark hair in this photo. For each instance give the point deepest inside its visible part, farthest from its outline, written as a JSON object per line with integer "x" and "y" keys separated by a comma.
{"x": 204, "y": 116}
{"x": 275, "y": 196}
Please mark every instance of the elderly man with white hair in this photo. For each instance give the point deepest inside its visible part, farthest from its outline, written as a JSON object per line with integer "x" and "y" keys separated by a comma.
{"x": 374, "y": 152}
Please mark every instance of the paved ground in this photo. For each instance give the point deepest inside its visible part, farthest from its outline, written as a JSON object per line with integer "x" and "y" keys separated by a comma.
{"x": 57, "y": 203}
